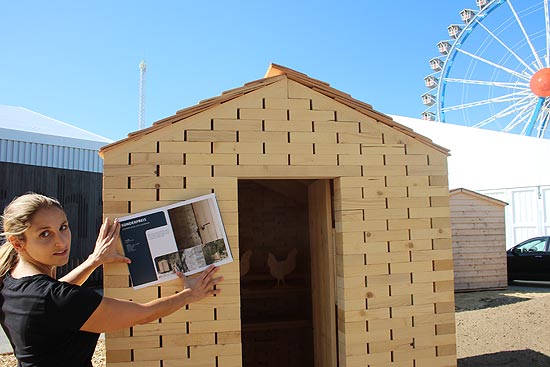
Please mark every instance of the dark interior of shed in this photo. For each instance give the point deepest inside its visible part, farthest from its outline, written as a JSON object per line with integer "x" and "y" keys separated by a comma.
{"x": 276, "y": 310}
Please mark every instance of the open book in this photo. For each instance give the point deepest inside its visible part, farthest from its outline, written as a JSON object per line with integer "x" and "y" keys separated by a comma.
{"x": 186, "y": 236}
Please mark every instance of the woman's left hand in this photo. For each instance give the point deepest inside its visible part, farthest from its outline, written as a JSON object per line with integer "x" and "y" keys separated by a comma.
{"x": 105, "y": 247}
{"x": 203, "y": 285}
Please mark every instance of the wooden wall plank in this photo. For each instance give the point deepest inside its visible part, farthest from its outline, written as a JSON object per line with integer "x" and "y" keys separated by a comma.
{"x": 286, "y": 171}
{"x": 299, "y": 148}
{"x": 285, "y": 125}
{"x": 240, "y": 124}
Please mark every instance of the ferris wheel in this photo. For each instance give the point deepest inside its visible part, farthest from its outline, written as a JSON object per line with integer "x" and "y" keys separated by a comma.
{"x": 494, "y": 71}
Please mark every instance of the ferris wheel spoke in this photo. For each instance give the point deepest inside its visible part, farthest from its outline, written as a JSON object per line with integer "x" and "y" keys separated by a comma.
{"x": 516, "y": 108}
{"x": 495, "y": 65}
{"x": 547, "y": 26}
{"x": 517, "y": 85}
{"x": 544, "y": 128}
{"x": 544, "y": 123}
{"x": 506, "y": 46}
{"x": 521, "y": 118}
{"x": 542, "y": 120}
{"x": 522, "y": 115}
{"x": 504, "y": 98}
{"x": 535, "y": 53}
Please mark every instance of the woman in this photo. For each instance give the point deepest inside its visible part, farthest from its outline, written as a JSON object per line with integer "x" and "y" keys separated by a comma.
{"x": 53, "y": 322}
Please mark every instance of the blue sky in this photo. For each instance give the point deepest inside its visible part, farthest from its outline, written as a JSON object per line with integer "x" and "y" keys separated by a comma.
{"x": 77, "y": 61}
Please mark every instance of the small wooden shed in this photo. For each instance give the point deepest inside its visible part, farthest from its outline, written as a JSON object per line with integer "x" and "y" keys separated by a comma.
{"x": 479, "y": 241}
{"x": 354, "y": 207}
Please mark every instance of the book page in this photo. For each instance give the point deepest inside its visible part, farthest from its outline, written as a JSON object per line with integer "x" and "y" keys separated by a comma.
{"x": 184, "y": 237}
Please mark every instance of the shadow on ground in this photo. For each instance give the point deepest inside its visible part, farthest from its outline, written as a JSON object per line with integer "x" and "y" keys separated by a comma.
{"x": 489, "y": 302}
{"x": 516, "y": 292}
{"x": 516, "y": 358}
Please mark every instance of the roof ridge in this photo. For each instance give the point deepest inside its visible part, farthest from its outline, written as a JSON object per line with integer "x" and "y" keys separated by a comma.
{"x": 476, "y": 194}
{"x": 348, "y": 100}
{"x": 275, "y": 73}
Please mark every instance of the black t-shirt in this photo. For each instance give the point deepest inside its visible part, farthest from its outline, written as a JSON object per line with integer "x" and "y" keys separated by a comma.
{"x": 42, "y": 318}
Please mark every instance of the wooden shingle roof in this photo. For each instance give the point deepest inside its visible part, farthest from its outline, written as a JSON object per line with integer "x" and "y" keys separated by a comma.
{"x": 274, "y": 74}
{"x": 477, "y": 195}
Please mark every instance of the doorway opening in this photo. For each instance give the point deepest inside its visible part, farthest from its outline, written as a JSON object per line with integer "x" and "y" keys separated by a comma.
{"x": 287, "y": 305}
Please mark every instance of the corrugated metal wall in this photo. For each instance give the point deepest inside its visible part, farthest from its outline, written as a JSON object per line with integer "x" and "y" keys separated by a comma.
{"x": 47, "y": 155}
{"x": 527, "y": 214}
{"x": 80, "y": 194}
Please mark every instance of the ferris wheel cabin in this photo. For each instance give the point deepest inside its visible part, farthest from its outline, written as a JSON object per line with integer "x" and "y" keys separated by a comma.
{"x": 428, "y": 116}
{"x": 444, "y": 47}
{"x": 428, "y": 99}
{"x": 431, "y": 81}
{"x": 436, "y": 64}
{"x": 454, "y": 30}
{"x": 482, "y": 3}
{"x": 466, "y": 15}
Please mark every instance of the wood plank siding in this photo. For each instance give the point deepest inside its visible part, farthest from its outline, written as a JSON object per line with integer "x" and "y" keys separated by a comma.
{"x": 479, "y": 241}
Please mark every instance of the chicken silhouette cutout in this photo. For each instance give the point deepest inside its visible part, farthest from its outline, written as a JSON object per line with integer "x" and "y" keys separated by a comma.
{"x": 280, "y": 269}
{"x": 245, "y": 262}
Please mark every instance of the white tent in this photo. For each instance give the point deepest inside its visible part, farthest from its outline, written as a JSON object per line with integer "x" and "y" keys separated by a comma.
{"x": 484, "y": 159}
{"x": 27, "y": 137}
{"x": 508, "y": 167}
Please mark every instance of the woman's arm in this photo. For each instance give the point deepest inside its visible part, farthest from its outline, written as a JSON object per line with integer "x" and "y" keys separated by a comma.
{"x": 104, "y": 252}
{"x": 114, "y": 314}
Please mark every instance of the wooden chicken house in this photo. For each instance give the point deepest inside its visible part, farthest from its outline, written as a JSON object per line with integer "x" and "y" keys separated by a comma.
{"x": 337, "y": 217}
{"x": 479, "y": 241}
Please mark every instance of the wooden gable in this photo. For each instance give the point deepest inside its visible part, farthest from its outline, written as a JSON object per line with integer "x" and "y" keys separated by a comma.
{"x": 472, "y": 195}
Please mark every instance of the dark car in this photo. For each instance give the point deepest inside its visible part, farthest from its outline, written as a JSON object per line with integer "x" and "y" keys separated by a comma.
{"x": 530, "y": 260}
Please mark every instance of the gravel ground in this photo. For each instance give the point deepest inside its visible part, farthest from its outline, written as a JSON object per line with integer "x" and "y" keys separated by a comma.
{"x": 508, "y": 328}
{"x": 8, "y": 360}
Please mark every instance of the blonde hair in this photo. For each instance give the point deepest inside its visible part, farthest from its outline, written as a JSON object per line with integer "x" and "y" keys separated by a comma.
{"x": 15, "y": 221}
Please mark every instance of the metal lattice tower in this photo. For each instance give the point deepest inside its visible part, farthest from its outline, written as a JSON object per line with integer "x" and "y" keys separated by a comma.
{"x": 142, "y": 70}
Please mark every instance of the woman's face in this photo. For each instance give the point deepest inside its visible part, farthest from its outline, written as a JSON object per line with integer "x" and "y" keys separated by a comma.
{"x": 48, "y": 239}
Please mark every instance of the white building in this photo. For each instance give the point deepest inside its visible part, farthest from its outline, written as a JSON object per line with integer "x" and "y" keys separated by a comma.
{"x": 508, "y": 167}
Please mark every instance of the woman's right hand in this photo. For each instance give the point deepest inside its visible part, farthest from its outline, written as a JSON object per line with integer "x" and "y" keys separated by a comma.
{"x": 203, "y": 285}
{"x": 105, "y": 247}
